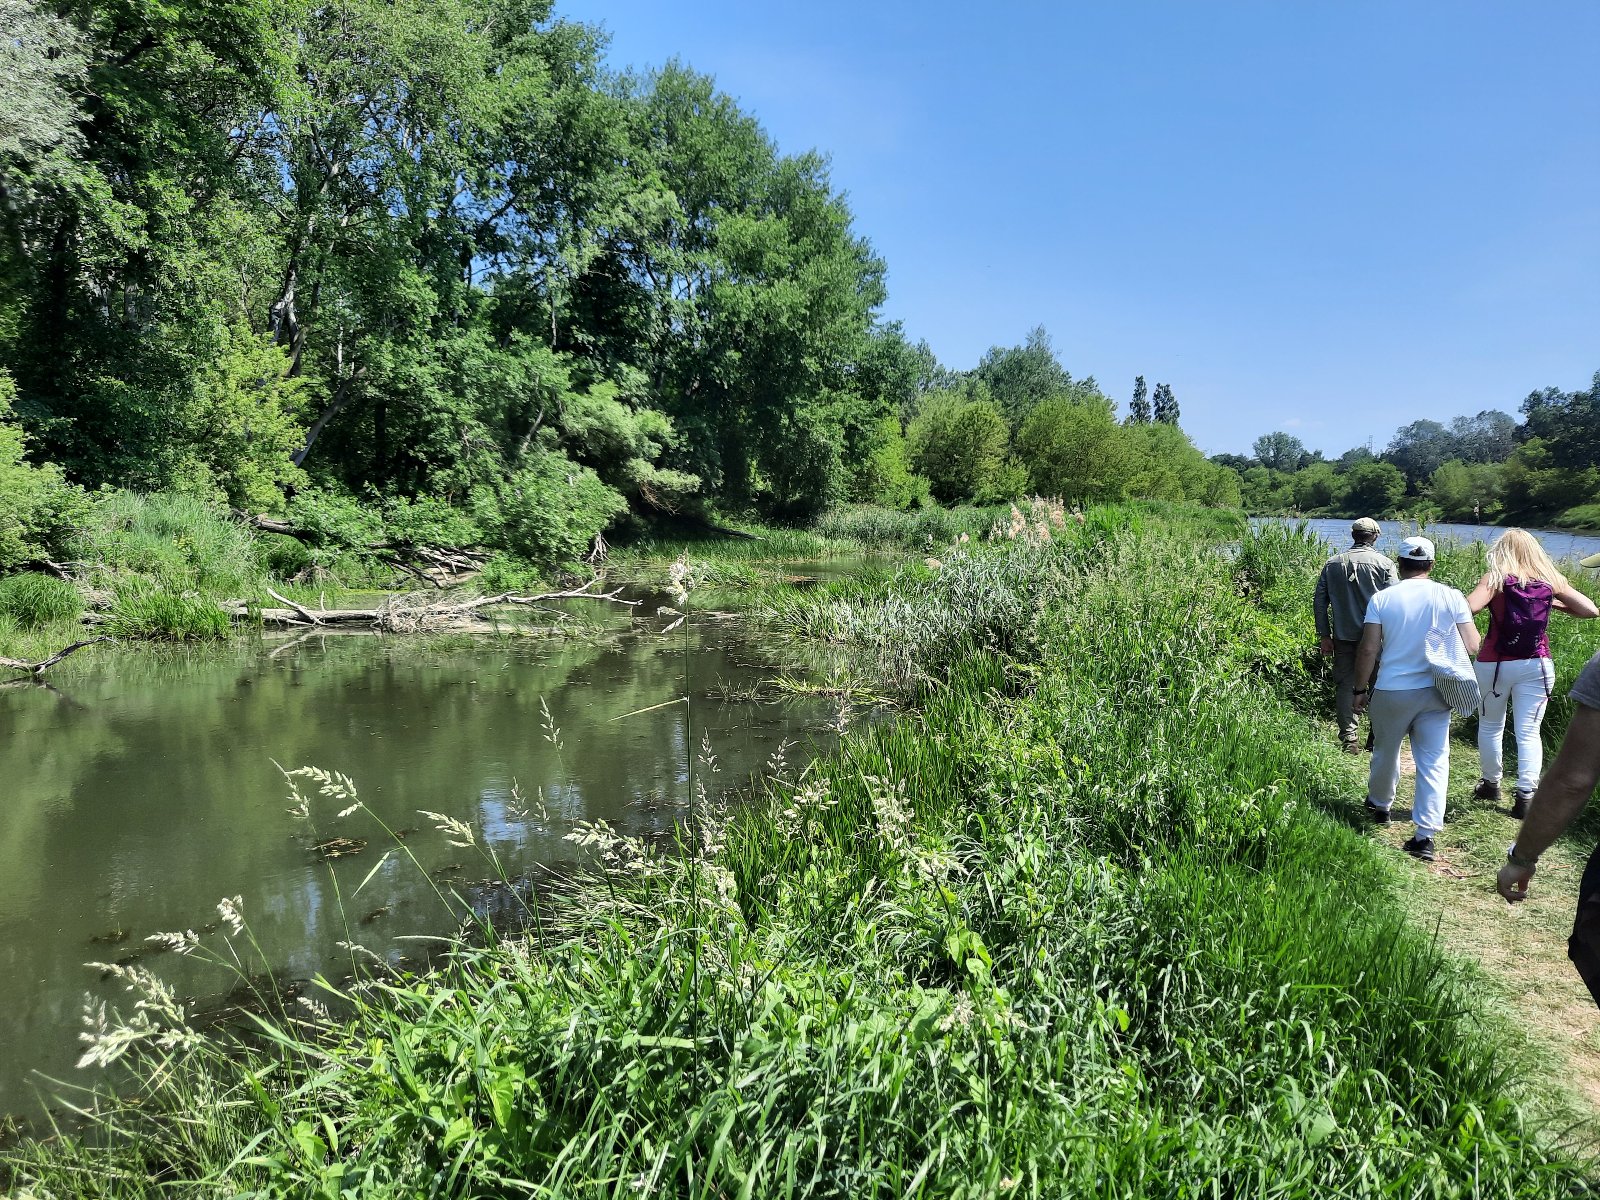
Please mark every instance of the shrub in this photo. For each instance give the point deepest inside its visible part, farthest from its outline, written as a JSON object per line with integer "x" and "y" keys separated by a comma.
{"x": 550, "y": 511}
{"x": 33, "y": 600}
{"x": 38, "y": 508}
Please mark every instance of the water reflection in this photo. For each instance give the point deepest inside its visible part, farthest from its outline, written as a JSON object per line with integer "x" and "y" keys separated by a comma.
{"x": 144, "y": 790}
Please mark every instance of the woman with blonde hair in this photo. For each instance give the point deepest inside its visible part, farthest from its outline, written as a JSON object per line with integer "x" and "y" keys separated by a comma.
{"x": 1520, "y": 589}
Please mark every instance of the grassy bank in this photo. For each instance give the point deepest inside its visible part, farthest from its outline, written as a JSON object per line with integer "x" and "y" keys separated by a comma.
{"x": 1091, "y": 920}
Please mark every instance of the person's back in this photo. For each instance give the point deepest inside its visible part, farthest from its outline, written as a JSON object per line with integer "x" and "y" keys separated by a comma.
{"x": 1345, "y": 585}
{"x": 1348, "y": 582}
{"x": 1521, "y": 588}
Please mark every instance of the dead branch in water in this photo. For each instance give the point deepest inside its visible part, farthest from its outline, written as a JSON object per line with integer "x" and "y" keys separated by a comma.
{"x": 413, "y": 612}
{"x": 36, "y": 669}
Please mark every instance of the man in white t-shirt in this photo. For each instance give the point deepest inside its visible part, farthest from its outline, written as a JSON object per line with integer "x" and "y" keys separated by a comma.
{"x": 1404, "y": 700}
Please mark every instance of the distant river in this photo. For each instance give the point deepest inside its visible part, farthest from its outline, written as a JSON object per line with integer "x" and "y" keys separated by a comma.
{"x": 1560, "y": 546}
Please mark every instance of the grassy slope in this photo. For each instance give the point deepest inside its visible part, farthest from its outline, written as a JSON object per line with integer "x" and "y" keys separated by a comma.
{"x": 1083, "y": 924}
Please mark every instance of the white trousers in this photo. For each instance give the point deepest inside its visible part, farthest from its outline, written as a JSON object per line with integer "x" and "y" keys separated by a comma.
{"x": 1423, "y": 714}
{"x": 1523, "y": 685}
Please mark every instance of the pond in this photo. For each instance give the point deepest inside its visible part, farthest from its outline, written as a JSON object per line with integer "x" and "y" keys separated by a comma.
{"x": 1560, "y": 545}
{"x": 140, "y": 789}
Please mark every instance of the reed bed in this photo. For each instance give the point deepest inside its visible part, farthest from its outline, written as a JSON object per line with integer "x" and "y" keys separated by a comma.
{"x": 1089, "y": 920}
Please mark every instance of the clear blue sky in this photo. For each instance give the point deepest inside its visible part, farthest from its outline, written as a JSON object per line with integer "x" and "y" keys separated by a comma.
{"x": 1331, "y": 218}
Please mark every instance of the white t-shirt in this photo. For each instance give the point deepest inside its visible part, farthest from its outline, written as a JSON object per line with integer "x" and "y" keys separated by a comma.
{"x": 1407, "y": 611}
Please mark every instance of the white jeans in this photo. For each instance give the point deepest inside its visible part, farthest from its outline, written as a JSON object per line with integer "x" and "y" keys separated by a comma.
{"x": 1524, "y": 686}
{"x": 1423, "y": 714}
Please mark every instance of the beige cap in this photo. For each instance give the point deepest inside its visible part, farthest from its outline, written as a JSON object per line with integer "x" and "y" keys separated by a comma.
{"x": 1365, "y": 526}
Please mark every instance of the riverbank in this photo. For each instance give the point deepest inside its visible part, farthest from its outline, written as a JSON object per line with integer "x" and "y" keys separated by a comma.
{"x": 1095, "y": 917}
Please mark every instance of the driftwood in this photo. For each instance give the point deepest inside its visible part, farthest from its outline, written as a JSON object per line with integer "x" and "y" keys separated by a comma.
{"x": 436, "y": 566}
{"x": 36, "y": 669}
{"x": 411, "y": 613}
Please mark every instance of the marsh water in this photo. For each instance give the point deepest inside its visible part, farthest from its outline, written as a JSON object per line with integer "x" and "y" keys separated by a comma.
{"x": 141, "y": 788}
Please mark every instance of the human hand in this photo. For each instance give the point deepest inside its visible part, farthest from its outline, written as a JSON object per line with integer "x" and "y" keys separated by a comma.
{"x": 1326, "y": 646}
{"x": 1513, "y": 881}
{"x": 1359, "y": 704}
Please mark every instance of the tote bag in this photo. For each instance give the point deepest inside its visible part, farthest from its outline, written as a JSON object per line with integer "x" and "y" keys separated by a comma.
{"x": 1452, "y": 670}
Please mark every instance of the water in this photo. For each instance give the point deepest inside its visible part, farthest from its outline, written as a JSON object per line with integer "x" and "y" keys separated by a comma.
{"x": 1561, "y": 546}
{"x": 141, "y": 789}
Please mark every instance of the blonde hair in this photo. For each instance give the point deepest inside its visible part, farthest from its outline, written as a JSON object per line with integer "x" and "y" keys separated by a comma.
{"x": 1517, "y": 552}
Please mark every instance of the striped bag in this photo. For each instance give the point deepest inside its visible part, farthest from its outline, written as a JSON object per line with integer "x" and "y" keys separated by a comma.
{"x": 1452, "y": 670}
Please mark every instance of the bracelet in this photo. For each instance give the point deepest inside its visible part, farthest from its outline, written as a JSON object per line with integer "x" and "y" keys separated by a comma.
{"x": 1359, "y": 691}
{"x": 1516, "y": 860}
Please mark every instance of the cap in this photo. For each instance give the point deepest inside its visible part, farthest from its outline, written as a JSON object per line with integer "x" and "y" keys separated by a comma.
{"x": 1417, "y": 549}
{"x": 1592, "y": 561}
{"x": 1365, "y": 525}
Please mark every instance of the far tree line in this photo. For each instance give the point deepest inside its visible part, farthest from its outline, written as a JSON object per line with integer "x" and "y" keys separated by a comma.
{"x": 1489, "y": 467}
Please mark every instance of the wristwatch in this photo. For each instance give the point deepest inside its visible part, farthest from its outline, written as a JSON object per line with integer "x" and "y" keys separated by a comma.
{"x": 1359, "y": 691}
{"x": 1516, "y": 860}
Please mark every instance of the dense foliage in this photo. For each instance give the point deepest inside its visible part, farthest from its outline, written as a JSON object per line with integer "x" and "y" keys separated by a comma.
{"x": 400, "y": 250}
{"x": 1486, "y": 467}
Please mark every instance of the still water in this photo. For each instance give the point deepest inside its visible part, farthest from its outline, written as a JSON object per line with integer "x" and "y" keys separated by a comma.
{"x": 1561, "y": 546}
{"x": 140, "y": 789}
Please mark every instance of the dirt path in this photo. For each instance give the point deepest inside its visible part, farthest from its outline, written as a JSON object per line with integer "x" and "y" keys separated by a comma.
{"x": 1522, "y": 950}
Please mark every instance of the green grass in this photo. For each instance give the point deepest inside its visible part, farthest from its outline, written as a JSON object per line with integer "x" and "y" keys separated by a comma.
{"x": 1091, "y": 920}
{"x": 32, "y": 601}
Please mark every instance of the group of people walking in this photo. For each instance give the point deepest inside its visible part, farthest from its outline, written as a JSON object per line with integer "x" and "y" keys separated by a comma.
{"x": 1391, "y": 630}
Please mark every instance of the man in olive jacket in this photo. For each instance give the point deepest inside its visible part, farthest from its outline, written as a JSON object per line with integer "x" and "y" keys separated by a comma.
{"x": 1346, "y": 584}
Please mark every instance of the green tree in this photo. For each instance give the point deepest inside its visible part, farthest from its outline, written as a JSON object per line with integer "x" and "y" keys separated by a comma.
{"x": 1076, "y": 451}
{"x": 1020, "y": 377}
{"x": 1279, "y": 451}
{"x": 1466, "y": 492}
{"x": 1316, "y": 488}
{"x": 1166, "y": 404}
{"x": 959, "y": 445}
{"x": 1139, "y": 411}
{"x": 1373, "y": 489}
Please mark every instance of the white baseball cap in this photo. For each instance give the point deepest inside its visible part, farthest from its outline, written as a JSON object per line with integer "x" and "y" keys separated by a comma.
{"x": 1417, "y": 549}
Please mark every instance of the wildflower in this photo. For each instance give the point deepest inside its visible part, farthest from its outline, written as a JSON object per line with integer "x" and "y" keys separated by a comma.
{"x": 961, "y": 1015}
{"x": 230, "y": 908}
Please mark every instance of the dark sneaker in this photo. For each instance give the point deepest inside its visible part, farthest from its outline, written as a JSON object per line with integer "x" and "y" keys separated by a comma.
{"x": 1487, "y": 790}
{"x": 1380, "y": 816}
{"x": 1352, "y": 747}
{"x": 1519, "y": 806}
{"x": 1419, "y": 848}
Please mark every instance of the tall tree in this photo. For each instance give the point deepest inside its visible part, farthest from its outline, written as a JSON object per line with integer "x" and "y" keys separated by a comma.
{"x": 1020, "y": 377}
{"x": 1139, "y": 411}
{"x": 1166, "y": 404}
{"x": 1279, "y": 451}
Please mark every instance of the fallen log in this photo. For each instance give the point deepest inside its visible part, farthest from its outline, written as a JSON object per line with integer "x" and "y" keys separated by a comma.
{"x": 37, "y": 669}
{"x": 413, "y": 612}
{"x": 439, "y": 564}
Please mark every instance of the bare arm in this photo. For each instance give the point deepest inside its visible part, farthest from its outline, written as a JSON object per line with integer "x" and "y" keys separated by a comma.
{"x": 1562, "y": 793}
{"x": 1478, "y": 599}
{"x": 1575, "y": 604}
{"x": 1469, "y": 637}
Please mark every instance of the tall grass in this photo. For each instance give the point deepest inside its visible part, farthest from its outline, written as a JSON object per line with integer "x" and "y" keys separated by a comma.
{"x": 1081, "y": 924}
{"x": 32, "y": 601}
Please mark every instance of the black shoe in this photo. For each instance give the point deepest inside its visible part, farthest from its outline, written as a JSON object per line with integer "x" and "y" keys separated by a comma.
{"x": 1487, "y": 790}
{"x": 1380, "y": 816}
{"x": 1419, "y": 848}
{"x": 1519, "y": 806}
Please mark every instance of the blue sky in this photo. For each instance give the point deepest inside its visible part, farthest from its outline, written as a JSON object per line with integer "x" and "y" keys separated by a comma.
{"x": 1330, "y": 218}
